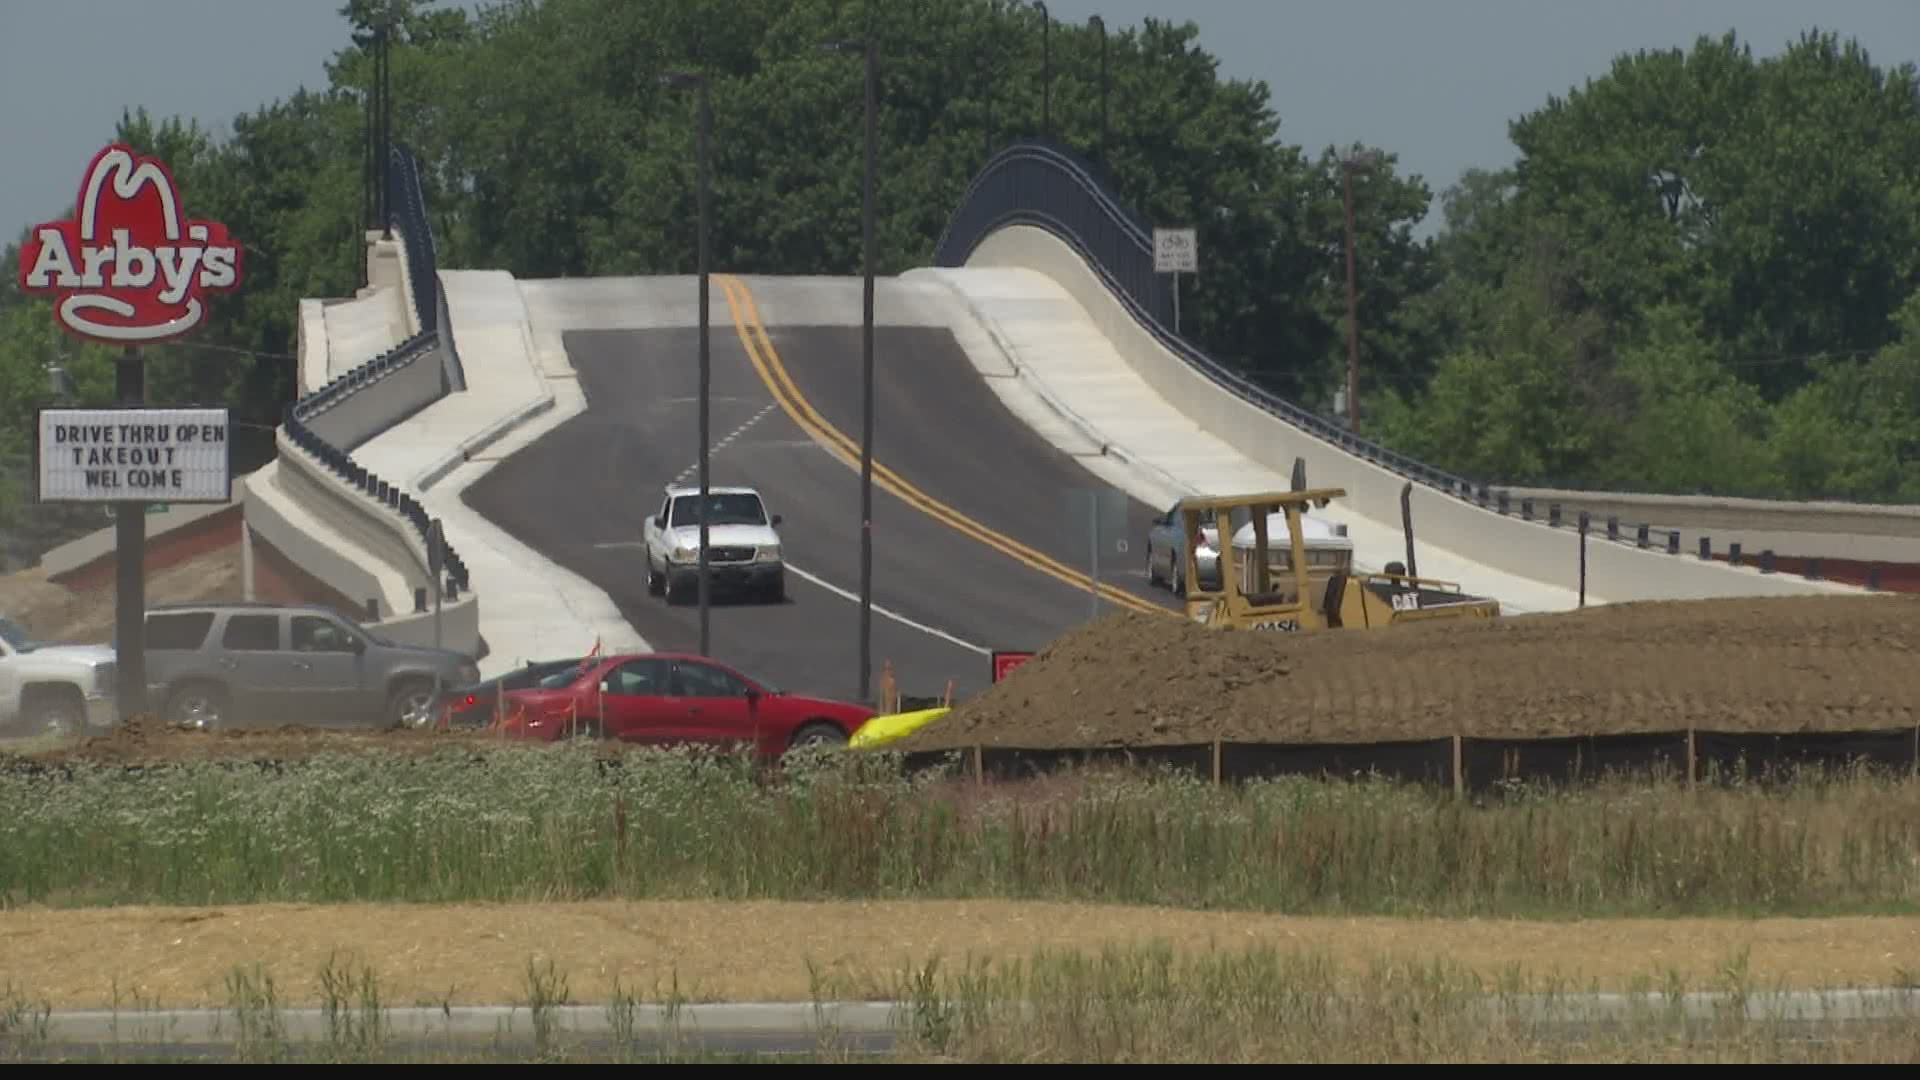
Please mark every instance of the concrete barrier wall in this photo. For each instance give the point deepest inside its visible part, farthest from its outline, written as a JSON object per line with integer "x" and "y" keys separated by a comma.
{"x": 1615, "y": 572}
{"x": 388, "y": 397}
{"x": 310, "y": 347}
{"x": 345, "y": 539}
{"x": 296, "y": 509}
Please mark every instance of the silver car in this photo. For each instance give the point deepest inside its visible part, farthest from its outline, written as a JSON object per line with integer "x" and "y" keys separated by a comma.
{"x": 249, "y": 664}
{"x": 1167, "y": 552}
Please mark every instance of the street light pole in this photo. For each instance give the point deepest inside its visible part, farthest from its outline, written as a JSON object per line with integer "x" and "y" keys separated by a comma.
{"x": 1103, "y": 85}
{"x": 380, "y": 166}
{"x": 1353, "y": 309}
{"x": 1347, "y": 168}
{"x": 866, "y": 382}
{"x": 702, "y": 134}
{"x": 870, "y": 54}
{"x": 1046, "y": 71}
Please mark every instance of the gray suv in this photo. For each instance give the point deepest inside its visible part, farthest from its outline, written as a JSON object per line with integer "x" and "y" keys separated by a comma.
{"x": 255, "y": 664}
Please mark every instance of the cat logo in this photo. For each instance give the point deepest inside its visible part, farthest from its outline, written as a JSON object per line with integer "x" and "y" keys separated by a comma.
{"x": 1407, "y": 601}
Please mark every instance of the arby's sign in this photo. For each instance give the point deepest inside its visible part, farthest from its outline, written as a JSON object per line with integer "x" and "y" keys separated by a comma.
{"x": 130, "y": 267}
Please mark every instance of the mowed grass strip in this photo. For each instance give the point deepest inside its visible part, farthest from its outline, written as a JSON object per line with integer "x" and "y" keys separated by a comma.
{"x": 986, "y": 981}
{"x": 521, "y": 824}
{"x": 796, "y": 950}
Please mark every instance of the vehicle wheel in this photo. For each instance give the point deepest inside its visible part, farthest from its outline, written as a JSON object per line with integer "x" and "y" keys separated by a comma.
{"x": 198, "y": 705}
{"x": 1180, "y": 578}
{"x": 776, "y": 593}
{"x": 53, "y": 710}
{"x": 818, "y": 733}
{"x": 656, "y": 581}
{"x": 1153, "y": 572}
{"x": 410, "y": 706}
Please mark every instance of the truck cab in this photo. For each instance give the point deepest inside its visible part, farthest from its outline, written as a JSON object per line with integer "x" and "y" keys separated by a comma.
{"x": 54, "y": 689}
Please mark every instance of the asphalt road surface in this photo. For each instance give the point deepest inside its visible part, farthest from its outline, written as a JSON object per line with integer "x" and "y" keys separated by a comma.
{"x": 938, "y": 424}
{"x": 580, "y": 494}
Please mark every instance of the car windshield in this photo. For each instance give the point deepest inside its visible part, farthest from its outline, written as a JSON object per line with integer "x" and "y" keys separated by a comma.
{"x": 16, "y": 636}
{"x": 538, "y": 675}
{"x": 727, "y": 508}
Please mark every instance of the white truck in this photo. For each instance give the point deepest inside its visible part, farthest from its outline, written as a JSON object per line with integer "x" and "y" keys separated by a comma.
{"x": 743, "y": 544}
{"x": 53, "y": 689}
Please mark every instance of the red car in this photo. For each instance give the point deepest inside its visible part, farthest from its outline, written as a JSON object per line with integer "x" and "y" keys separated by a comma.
{"x": 674, "y": 699}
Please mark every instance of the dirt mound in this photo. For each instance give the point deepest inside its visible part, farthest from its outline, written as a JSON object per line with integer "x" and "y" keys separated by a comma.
{"x": 53, "y": 612}
{"x": 1777, "y": 664}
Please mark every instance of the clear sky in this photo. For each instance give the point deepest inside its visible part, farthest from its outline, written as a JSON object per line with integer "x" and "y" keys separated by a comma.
{"x": 1435, "y": 81}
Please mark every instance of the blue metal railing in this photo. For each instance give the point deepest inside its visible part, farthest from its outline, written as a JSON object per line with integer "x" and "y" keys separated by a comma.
{"x": 408, "y": 216}
{"x": 1049, "y": 186}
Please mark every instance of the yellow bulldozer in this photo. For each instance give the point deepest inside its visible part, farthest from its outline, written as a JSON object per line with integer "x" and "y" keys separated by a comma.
{"x": 1268, "y": 581}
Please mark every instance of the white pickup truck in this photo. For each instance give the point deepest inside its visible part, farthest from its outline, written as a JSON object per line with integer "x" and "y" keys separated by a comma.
{"x": 57, "y": 689}
{"x": 743, "y": 544}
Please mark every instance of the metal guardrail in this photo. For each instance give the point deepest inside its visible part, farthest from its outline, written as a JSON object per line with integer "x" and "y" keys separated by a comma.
{"x": 1048, "y": 185}
{"x": 409, "y": 217}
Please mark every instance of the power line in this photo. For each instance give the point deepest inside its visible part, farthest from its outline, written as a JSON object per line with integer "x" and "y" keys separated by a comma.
{"x": 234, "y": 349}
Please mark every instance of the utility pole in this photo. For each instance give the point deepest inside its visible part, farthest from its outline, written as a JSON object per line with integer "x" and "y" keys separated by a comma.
{"x": 702, "y": 154}
{"x": 870, "y": 54}
{"x": 866, "y": 380}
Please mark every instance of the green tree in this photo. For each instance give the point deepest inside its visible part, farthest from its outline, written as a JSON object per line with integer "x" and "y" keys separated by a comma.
{"x": 1779, "y": 198}
{"x": 1692, "y": 427}
{"x": 1854, "y": 431}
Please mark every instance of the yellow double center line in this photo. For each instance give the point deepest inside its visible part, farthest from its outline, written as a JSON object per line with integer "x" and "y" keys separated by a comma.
{"x": 766, "y": 362}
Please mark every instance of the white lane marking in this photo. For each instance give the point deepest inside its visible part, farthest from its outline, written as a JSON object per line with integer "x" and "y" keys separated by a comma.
{"x": 883, "y": 612}
{"x": 722, "y": 444}
{"x": 845, "y": 595}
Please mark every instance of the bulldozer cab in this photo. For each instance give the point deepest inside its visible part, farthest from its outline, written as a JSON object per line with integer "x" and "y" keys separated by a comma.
{"x": 1286, "y": 582}
{"x": 1257, "y": 592}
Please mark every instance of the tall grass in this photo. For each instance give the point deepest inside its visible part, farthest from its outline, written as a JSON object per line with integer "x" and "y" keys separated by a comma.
{"x": 1138, "y": 1003}
{"x": 1149, "y": 1004}
{"x": 545, "y": 824}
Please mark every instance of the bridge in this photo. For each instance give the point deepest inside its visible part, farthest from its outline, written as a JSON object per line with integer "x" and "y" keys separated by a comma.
{"x": 538, "y": 420}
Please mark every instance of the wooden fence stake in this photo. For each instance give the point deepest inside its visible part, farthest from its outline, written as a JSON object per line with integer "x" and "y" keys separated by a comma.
{"x": 1691, "y": 768}
{"x": 1216, "y": 761}
{"x": 979, "y": 774}
{"x": 1459, "y": 778}
{"x": 1916, "y": 750}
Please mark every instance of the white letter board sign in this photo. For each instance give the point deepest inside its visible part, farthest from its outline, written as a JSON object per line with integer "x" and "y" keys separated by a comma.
{"x": 135, "y": 454}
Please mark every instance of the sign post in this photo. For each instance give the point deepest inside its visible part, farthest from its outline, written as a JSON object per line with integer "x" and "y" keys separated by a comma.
{"x": 436, "y": 562}
{"x": 436, "y": 565}
{"x": 1105, "y": 512}
{"x": 130, "y": 268}
{"x": 1176, "y": 252}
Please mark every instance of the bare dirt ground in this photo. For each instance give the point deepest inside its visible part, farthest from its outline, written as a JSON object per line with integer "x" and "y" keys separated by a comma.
{"x": 146, "y": 741}
{"x": 719, "y": 951}
{"x": 52, "y": 612}
{"x": 1785, "y": 664}
{"x": 1744, "y": 665}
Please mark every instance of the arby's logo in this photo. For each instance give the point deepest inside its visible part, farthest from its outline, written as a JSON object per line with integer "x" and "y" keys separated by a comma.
{"x": 130, "y": 267}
